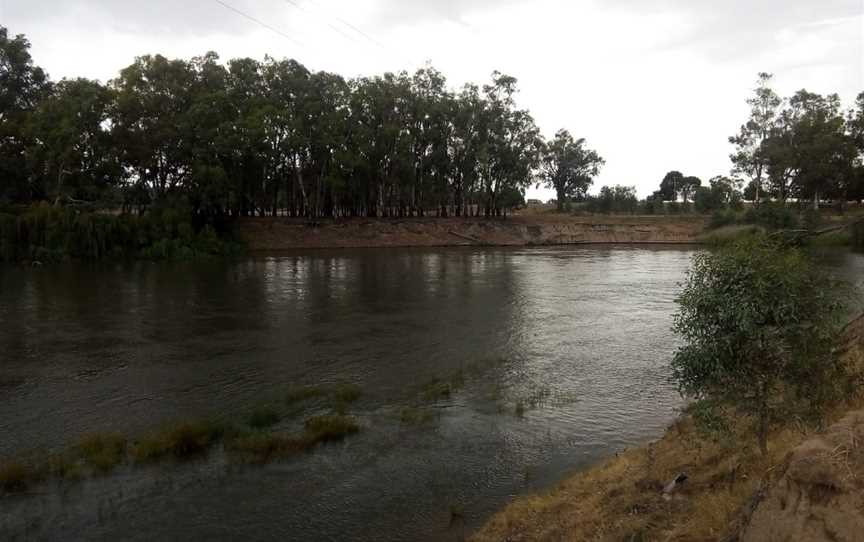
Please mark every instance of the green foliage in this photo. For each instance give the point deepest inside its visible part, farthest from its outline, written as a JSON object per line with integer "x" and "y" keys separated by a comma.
{"x": 721, "y": 218}
{"x": 772, "y": 216}
{"x": 709, "y": 417}
{"x": 568, "y": 167}
{"x": 616, "y": 199}
{"x": 758, "y": 322}
{"x": 48, "y": 233}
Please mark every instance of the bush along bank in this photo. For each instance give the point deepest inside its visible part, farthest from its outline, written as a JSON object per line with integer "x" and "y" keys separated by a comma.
{"x": 47, "y": 234}
{"x": 801, "y": 227}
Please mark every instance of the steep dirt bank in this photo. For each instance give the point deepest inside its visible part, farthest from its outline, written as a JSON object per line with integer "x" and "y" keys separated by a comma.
{"x": 273, "y": 234}
{"x": 808, "y": 488}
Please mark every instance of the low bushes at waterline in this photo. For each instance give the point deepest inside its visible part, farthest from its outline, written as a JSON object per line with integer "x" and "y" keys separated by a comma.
{"x": 48, "y": 233}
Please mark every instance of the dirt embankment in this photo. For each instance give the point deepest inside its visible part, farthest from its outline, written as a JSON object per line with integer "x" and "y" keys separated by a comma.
{"x": 810, "y": 487}
{"x": 273, "y": 233}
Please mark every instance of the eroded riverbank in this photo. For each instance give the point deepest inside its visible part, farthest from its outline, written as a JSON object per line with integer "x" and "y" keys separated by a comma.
{"x": 275, "y": 234}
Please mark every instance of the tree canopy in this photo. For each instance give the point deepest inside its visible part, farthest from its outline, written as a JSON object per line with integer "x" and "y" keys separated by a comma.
{"x": 568, "y": 167}
{"x": 273, "y": 137}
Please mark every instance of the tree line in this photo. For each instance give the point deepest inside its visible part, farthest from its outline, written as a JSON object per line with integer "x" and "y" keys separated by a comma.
{"x": 805, "y": 148}
{"x": 274, "y": 138}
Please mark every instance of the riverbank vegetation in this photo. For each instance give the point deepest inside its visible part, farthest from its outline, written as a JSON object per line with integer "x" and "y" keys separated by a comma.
{"x": 253, "y": 138}
{"x": 759, "y": 323}
{"x": 45, "y": 233}
{"x": 210, "y": 141}
{"x": 766, "y": 371}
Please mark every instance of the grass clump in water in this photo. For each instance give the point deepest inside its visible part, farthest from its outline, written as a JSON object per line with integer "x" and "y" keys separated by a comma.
{"x": 264, "y": 416}
{"x": 304, "y": 393}
{"x": 347, "y": 393}
{"x": 328, "y": 428}
{"x": 101, "y": 451}
{"x": 181, "y": 441}
{"x": 16, "y": 476}
{"x": 260, "y": 447}
{"x": 416, "y": 416}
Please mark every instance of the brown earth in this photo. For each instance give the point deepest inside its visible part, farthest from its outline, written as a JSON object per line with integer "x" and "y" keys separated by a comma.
{"x": 808, "y": 487}
{"x": 276, "y": 233}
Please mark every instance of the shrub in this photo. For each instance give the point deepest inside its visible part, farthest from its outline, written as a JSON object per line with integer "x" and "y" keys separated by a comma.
{"x": 758, "y": 321}
{"x": 773, "y": 216}
{"x": 721, "y": 218}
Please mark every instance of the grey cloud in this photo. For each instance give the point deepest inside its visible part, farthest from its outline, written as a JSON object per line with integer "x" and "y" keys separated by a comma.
{"x": 169, "y": 17}
{"x": 734, "y": 28}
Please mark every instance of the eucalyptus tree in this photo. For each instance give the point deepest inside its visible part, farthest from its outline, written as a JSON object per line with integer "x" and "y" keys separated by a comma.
{"x": 823, "y": 153}
{"x": 568, "y": 167}
{"x": 688, "y": 187}
{"x": 510, "y": 151}
{"x": 22, "y": 86}
{"x": 152, "y": 97}
{"x": 748, "y": 160}
{"x": 670, "y": 186}
{"x": 69, "y": 145}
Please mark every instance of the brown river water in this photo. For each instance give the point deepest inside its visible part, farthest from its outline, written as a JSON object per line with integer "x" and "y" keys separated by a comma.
{"x": 129, "y": 347}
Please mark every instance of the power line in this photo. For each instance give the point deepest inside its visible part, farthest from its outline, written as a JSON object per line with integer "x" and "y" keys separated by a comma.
{"x": 335, "y": 28}
{"x": 352, "y": 27}
{"x": 259, "y": 22}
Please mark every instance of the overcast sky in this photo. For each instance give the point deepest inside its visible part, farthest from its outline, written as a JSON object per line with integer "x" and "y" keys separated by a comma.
{"x": 653, "y": 85}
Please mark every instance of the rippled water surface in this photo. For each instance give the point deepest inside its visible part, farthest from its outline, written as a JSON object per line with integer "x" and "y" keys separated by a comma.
{"x": 565, "y": 349}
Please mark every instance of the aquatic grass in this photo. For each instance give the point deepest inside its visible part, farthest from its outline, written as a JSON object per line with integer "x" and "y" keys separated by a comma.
{"x": 263, "y": 416}
{"x": 181, "y": 440}
{"x": 436, "y": 390}
{"x": 346, "y": 393}
{"x": 102, "y": 451}
{"x": 416, "y": 416}
{"x": 304, "y": 393}
{"x": 16, "y": 476}
{"x": 327, "y": 428}
{"x": 519, "y": 409}
{"x": 261, "y": 447}
{"x": 64, "y": 466}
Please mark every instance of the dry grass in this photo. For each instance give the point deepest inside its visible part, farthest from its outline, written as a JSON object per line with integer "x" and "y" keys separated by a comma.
{"x": 623, "y": 499}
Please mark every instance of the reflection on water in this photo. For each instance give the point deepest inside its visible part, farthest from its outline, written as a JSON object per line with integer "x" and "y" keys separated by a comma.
{"x": 124, "y": 348}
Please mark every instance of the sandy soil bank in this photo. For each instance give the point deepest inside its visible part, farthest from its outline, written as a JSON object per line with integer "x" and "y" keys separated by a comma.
{"x": 273, "y": 234}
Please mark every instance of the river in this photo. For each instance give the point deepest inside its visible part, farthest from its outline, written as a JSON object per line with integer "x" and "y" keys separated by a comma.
{"x": 567, "y": 348}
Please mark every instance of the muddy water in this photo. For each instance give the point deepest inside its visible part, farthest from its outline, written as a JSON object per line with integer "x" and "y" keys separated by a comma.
{"x": 579, "y": 337}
